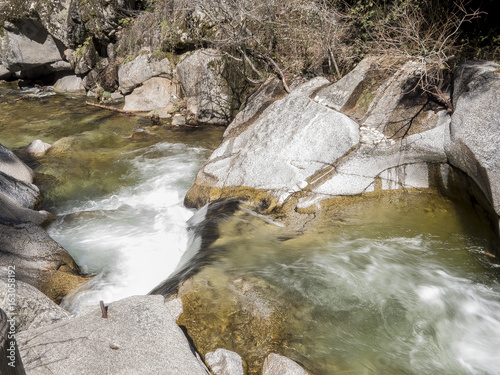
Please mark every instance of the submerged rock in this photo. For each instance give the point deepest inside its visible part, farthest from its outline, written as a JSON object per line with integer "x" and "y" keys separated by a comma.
{"x": 276, "y": 364}
{"x": 37, "y": 148}
{"x": 245, "y": 316}
{"x": 139, "y": 336}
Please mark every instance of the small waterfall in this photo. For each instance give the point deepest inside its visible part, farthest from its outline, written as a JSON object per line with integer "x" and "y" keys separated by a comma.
{"x": 203, "y": 228}
{"x": 133, "y": 239}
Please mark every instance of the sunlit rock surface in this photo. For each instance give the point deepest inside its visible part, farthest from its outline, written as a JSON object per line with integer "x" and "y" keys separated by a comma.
{"x": 139, "y": 336}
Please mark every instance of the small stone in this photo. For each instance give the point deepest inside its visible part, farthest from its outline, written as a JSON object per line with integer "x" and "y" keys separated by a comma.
{"x": 117, "y": 96}
{"x": 37, "y": 148}
{"x": 178, "y": 120}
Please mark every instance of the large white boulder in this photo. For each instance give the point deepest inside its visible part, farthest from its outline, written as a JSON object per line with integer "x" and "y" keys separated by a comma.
{"x": 293, "y": 138}
{"x": 301, "y": 147}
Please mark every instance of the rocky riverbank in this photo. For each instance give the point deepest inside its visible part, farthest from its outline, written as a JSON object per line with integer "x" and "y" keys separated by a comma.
{"x": 368, "y": 133}
{"x": 294, "y": 157}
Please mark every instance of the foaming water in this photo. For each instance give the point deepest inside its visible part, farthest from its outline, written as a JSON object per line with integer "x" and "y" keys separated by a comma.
{"x": 133, "y": 239}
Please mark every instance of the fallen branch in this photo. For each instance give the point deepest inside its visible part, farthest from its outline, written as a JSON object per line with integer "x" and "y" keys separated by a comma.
{"x": 112, "y": 109}
{"x": 132, "y": 113}
{"x": 280, "y": 72}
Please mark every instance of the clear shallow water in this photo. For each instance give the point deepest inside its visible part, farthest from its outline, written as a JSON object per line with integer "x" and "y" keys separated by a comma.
{"x": 394, "y": 289}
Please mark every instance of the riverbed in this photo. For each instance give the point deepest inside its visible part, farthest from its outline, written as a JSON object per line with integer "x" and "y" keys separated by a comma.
{"x": 394, "y": 286}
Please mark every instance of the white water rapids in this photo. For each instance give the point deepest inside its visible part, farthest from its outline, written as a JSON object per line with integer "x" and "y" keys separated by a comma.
{"x": 133, "y": 239}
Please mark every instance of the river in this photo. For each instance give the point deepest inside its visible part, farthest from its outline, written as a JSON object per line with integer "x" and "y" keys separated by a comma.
{"x": 399, "y": 286}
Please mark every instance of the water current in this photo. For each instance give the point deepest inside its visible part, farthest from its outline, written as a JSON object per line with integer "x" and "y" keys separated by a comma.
{"x": 397, "y": 287}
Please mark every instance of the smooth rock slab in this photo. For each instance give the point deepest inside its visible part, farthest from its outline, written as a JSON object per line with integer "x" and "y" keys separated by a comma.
{"x": 140, "y": 336}
{"x": 276, "y": 364}
{"x": 292, "y": 139}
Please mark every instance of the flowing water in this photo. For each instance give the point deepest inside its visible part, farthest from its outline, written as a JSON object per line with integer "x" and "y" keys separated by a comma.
{"x": 404, "y": 288}
{"x": 396, "y": 287}
{"x": 117, "y": 184}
